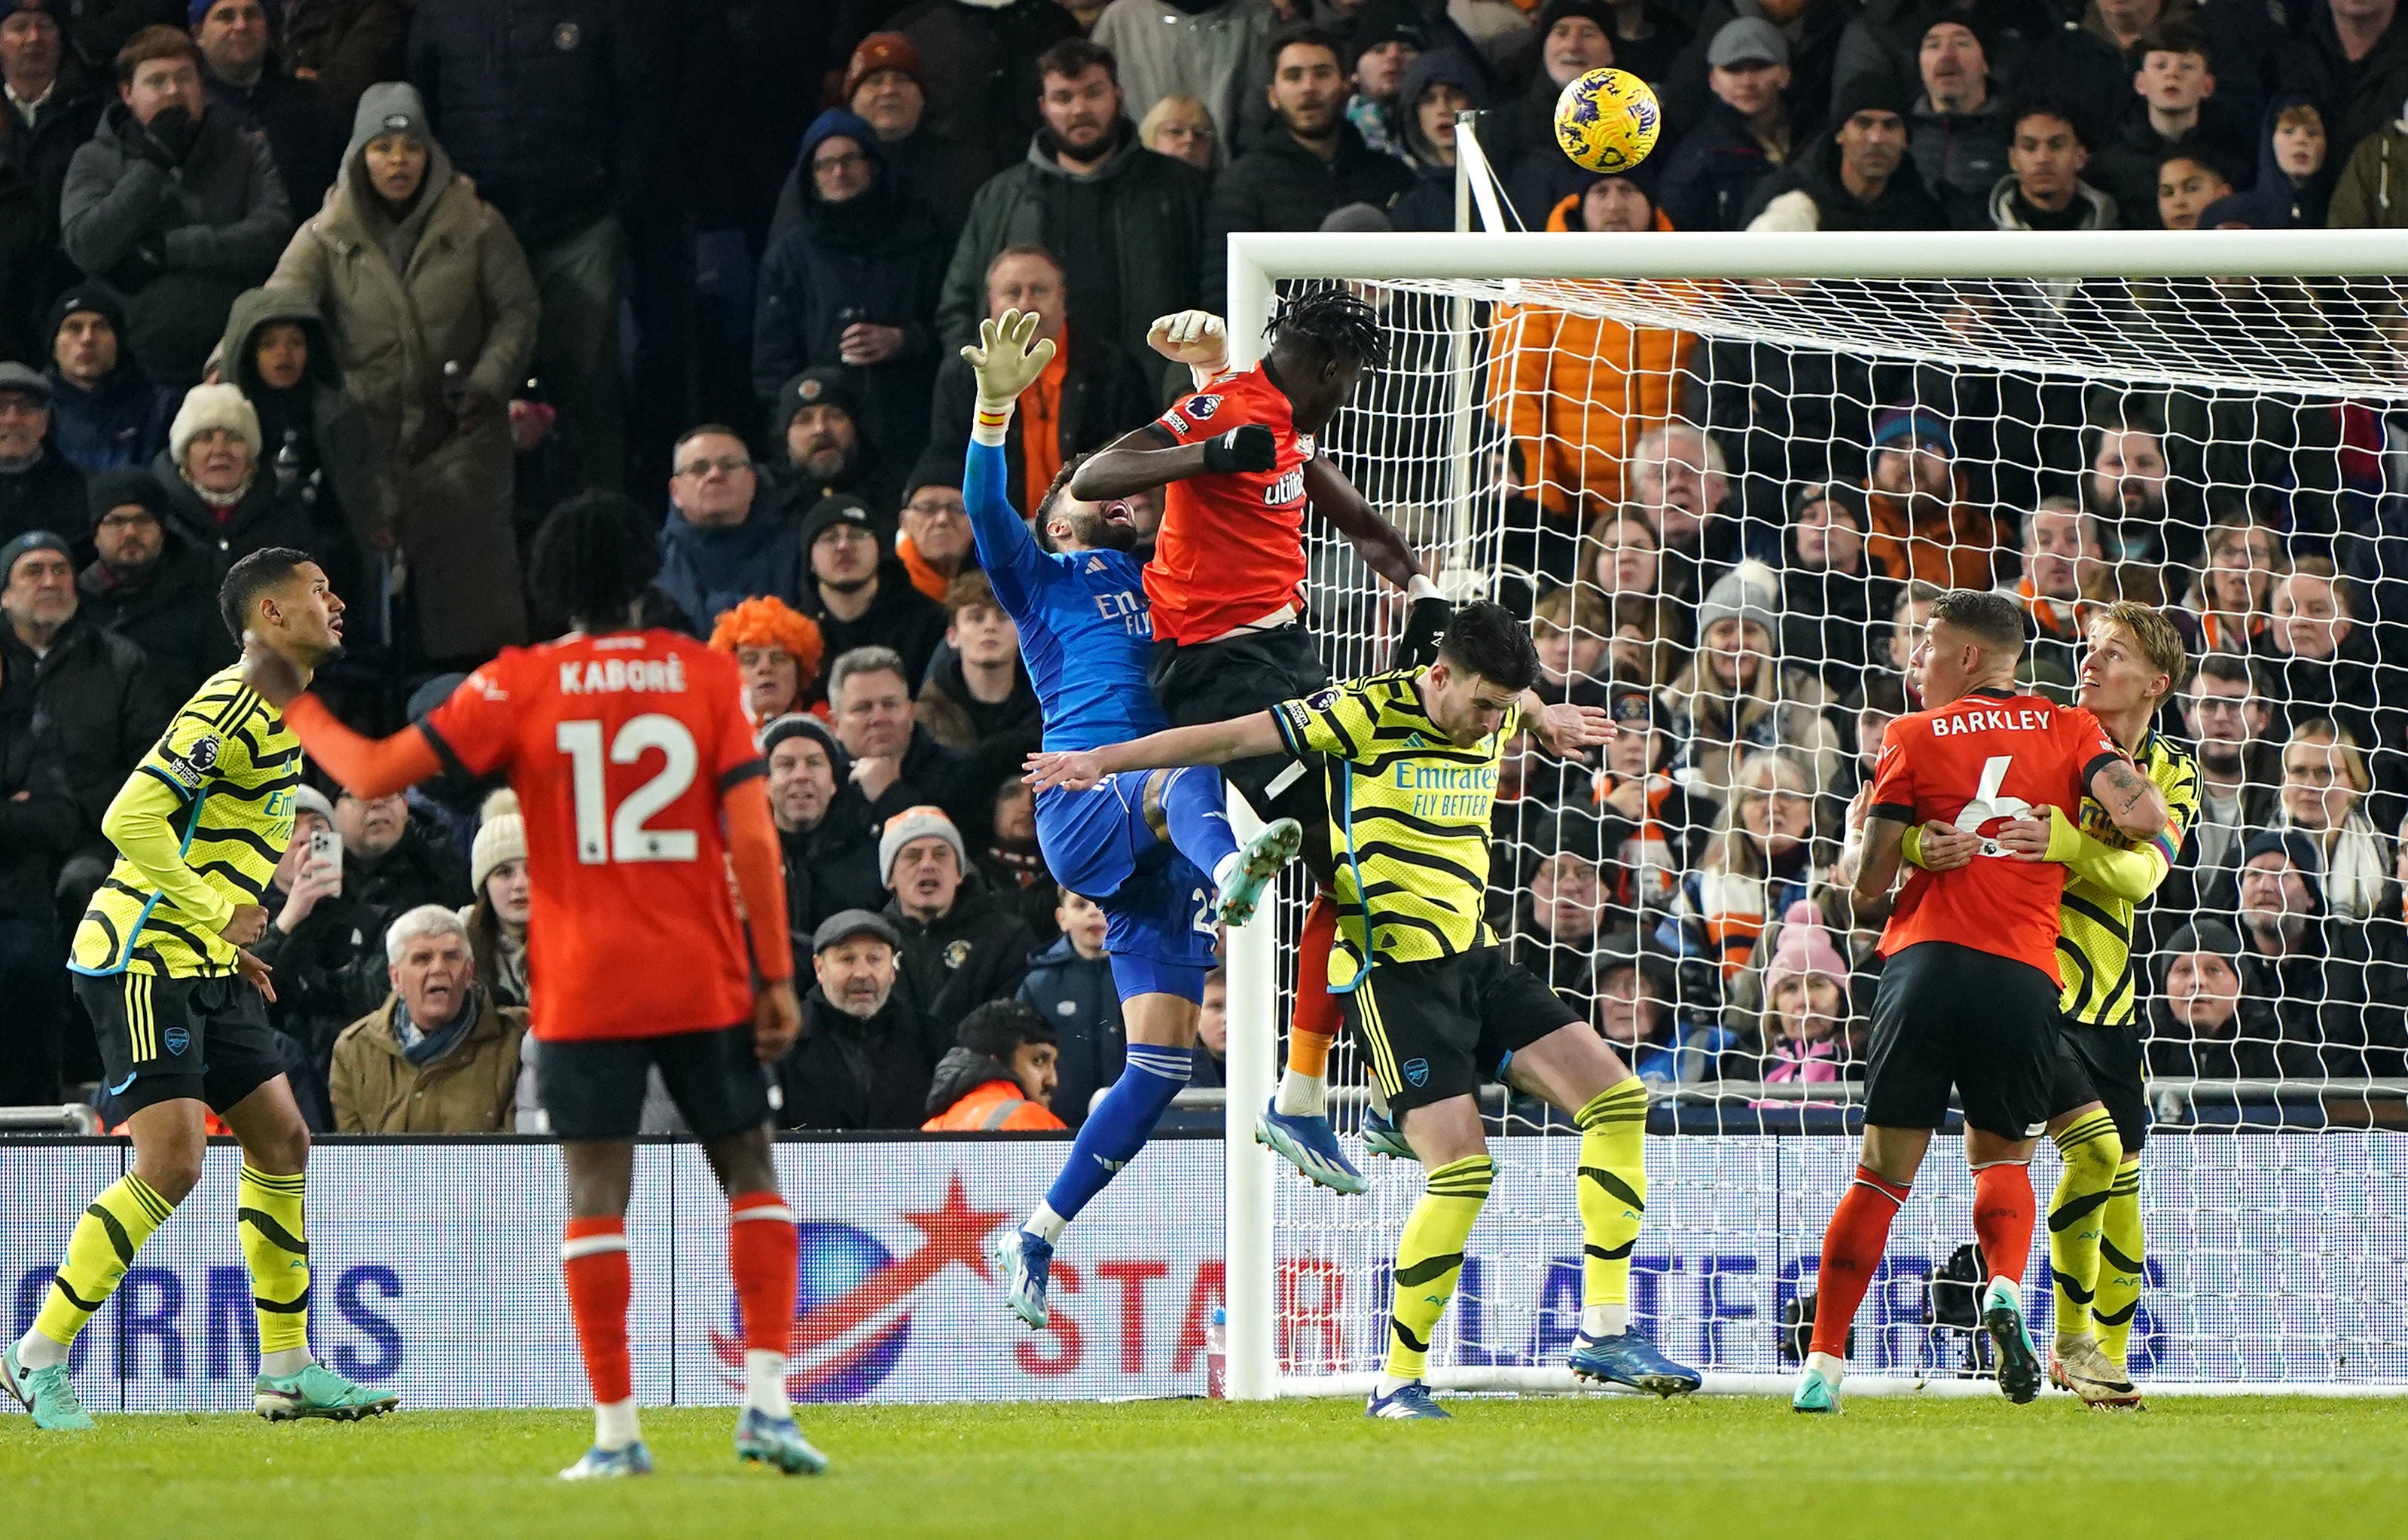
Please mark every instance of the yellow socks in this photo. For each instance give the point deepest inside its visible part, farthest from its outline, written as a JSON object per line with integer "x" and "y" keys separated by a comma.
{"x": 1612, "y": 1203}
{"x": 1429, "y": 1255}
{"x": 268, "y": 1211}
{"x": 2121, "y": 1249}
{"x": 2077, "y": 1214}
{"x": 103, "y": 1245}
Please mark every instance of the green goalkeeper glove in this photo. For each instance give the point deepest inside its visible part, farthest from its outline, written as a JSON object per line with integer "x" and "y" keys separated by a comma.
{"x": 1006, "y": 364}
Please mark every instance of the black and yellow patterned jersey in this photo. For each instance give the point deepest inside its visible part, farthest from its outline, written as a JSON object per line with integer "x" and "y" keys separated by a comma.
{"x": 1408, "y": 822}
{"x": 199, "y": 828}
{"x": 2094, "y": 943}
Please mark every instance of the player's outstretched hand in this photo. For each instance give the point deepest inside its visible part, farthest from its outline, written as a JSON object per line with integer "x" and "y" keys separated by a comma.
{"x": 268, "y": 673}
{"x": 2025, "y": 839}
{"x": 1248, "y": 448}
{"x": 1947, "y": 847}
{"x": 248, "y": 923}
{"x": 1072, "y": 770}
{"x": 255, "y": 974}
{"x": 776, "y": 1020}
{"x": 1565, "y": 730}
{"x": 1004, "y": 360}
{"x": 1197, "y": 338}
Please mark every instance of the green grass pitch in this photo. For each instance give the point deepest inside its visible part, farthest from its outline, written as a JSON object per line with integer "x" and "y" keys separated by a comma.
{"x": 1979, "y": 1470}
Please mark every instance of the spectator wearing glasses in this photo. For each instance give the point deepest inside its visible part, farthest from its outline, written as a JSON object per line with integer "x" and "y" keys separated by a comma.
{"x": 149, "y": 586}
{"x": 776, "y": 651}
{"x": 1181, "y": 128}
{"x": 719, "y": 545}
{"x": 2230, "y": 601}
{"x": 2323, "y": 797}
{"x": 934, "y": 543}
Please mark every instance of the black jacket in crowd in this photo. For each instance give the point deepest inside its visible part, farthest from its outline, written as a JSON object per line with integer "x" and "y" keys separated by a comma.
{"x": 979, "y": 62}
{"x": 418, "y": 869}
{"x": 37, "y": 831}
{"x": 2357, "y": 100}
{"x": 1104, "y": 395}
{"x": 1904, "y": 203}
{"x": 900, "y": 616}
{"x": 1279, "y": 184}
{"x": 169, "y": 611}
{"x": 975, "y": 952}
{"x": 832, "y": 868}
{"x": 556, "y": 107}
{"x": 330, "y": 969}
{"x": 1710, "y": 173}
{"x": 46, "y": 495}
{"x": 302, "y": 132}
{"x": 101, "y": 703}
{"x": 264, "y": 517}
{"x": 844, "y": 1072}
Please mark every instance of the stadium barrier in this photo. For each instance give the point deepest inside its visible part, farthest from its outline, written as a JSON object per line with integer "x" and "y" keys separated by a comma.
{"x": 2274, "y": 1257}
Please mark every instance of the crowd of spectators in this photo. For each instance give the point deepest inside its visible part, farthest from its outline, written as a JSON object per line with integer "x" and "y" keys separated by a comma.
{"x": 386, "y": 280}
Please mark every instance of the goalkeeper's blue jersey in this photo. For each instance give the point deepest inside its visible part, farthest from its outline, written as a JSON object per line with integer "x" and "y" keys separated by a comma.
{"x": 1084, "y": 630}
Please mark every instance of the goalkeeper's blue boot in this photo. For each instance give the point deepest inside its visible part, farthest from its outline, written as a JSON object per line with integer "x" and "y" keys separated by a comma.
{"x": 1818, "y": 1387}
{"x": 1409, "y": 1401}
{"x": 1382, "y": 1136}
{"x": 776, "y": 1441}
{"x": 46, "y": 1392}
{"x": 1305, "y": 1143}
{"x": 601, "y": 1464}
{"x": 1026, "y": 1262}
{"x": 2019, "y": 1367}
{"x": 1631, "y": 1360}
{"x": 319, "y": 1391}
{"x": 1259, "y": 859}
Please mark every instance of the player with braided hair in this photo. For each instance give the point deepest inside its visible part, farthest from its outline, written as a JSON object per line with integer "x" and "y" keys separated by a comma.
{"x": 1240, "y": 461}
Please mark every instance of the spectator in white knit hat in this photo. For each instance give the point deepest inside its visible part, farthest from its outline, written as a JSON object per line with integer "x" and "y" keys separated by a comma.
{"x": 218, "y": 501}
{"x": 960, "y": 947}
{"x": 498, "y": 920}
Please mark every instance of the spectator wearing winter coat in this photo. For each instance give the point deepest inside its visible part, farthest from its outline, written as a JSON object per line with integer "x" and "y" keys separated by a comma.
{"x": 1957, "y": 129}
{"x": 178, "y": 207}
{"x": 1216, "y": 51}
{"x": 39, "y": 826}
{"x": 150, "y": 587}
{"x": 1924, "y": 525}
{"x": 1574, "y": 37}
{"x": 1802, "y": 1034}
{"x": 981, "y": 65}
{"x": 2303, "y": 972}
{"x": 2353, "y": 59}
{"x": 976, "y": 694}
{"x": 26, "y": 251}
{"x": 2298, "y": 165}
{"x": 1091, "y": 393}
{"x": 1438, "y": 86}
{"x": 861, "y": 598}
{"x": 897, "y": 764}
{"x": 557, "y": 109}
{"x": 960, "y": 948}
{"x": 391, "y": 862}
{"x": 2372, "y": 191}
{"x": 1812, "y": 31}
{"x": 1070, "y": 986}
{"x": 853, "y": 286}
{"x": 886, "y": 85}
{"x": 220, "y": 500}
{"x": 439, "y": 1055}
{"x": 431, "y": 311}
{"x": 496, "y": 918}
{"x": 1743, "y": 136}
{"x": 95, "y": 691}
{"x": 1128, "y": 223}
{"x": 831, "y": 847}
{"x": 1577, "y": 392}
{"x": 2175, "y": 83}
{"x": 314, "y": 438}
{"x": 55, "y": 108}
{"x": 344, "y": 45}
{"x": 866, "y": 1057}
{"x": 106, "y": 413}
{"x": 1857, "y": 178}
{"x": 818, "y": 424}
{"x": 2043, "y": 188}
{"x": 1313, "y": 159}
{"x": 933, "y": 542}
{"x": 242, "y": 73}
{"x": 1830, "y": 587}
{"x": 2199, "y": 1025}
{"x": 722, "y": 542}
{"x": 999, "y": 1076}
{"x": 39, "y": 487}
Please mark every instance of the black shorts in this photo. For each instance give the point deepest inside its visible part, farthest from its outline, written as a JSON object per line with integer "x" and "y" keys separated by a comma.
{"x": 595, "y": 1089}
{"x": 1444, "y": 1027}
{"x": 2103, "y": 1064}
{"x": 1240, "y": 676}
{"x": 169, "y": 1039}
{"x": 1951, "y": 1015}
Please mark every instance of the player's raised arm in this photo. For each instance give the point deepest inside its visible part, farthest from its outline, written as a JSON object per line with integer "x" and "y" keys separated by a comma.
{"x": 1006, "y": 362}
{"x": 1207, "y": 743}
{"x": 2132, "y": 801}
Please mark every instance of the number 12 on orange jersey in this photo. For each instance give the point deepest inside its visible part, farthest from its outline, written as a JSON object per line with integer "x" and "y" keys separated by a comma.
{"x": 629, "y": 841}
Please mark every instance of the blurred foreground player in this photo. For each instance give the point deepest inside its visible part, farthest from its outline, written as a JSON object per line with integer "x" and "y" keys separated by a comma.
{"x": 1434, "y": 1002}
{"x": 1968, "y": 992}
{"x": 180, "y": 1009}
{"x": 1152, "y": 848}
{"x": 626, "y": 747}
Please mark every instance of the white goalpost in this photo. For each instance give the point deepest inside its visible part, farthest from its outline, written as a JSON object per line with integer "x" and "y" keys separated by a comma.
{"x": 2269, "y": 372}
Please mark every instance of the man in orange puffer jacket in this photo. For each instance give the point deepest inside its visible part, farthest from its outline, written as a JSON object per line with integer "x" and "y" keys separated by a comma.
{"x": 1000, "y": 1076}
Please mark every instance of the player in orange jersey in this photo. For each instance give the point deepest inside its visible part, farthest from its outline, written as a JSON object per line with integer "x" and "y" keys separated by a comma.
{"x": 1969, "y": 987}
{"x": 641, "y": 787}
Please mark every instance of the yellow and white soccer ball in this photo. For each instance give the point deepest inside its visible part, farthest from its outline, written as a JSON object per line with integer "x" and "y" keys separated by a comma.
{"x": 1608, "y": 119}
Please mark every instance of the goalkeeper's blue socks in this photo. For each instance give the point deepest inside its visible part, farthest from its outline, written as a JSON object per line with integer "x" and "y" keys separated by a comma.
{"x": 1113, "y": 1133}
{"x": 1196, "y": 805}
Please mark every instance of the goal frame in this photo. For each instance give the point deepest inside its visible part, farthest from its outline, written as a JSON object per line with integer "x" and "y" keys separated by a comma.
{"x": 1259, "y": 260}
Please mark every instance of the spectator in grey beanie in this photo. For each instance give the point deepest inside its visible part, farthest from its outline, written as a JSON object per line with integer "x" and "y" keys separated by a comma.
{"x": 960, "y": 947}
{"x": 2305, "y": 973}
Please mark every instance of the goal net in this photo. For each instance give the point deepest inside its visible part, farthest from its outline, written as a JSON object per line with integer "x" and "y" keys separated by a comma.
{"x": 1720, "y": 473}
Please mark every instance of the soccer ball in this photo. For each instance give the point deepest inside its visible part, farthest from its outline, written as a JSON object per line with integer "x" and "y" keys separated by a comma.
{"x": 1608, "y": 119}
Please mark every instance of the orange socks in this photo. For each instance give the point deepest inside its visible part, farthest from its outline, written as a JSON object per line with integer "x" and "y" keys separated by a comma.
{"x": 1318, "y": 1012}
{"x": 594, "y": 1264}
{"x": 2003, "y": 1218}
{"x": 761, "y": 1264}
{"x": 1852, "y": 1249}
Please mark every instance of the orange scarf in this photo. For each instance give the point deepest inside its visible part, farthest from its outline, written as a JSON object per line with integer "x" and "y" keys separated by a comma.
{"x": 1040, "y": 426}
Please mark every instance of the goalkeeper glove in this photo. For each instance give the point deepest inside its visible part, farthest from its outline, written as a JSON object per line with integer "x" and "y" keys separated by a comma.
{"x": 1197, "y": 338}
{"x": 1006, "y": 364}
{"x": 1248, "y": 448}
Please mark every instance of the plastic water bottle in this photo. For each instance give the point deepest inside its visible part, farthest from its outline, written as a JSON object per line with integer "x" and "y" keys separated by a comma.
{"x": 1216, "y": 1355}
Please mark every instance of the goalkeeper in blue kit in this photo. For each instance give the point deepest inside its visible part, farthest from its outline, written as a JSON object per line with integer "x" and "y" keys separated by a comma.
{"x": 1153, "y": 849}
